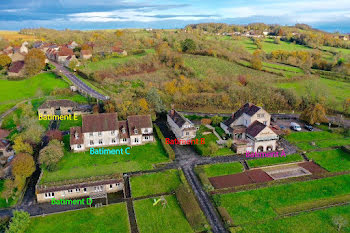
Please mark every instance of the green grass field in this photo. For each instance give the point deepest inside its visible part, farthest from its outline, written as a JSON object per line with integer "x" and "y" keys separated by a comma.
{"x": 322, "y": 139}
{"x": 28, "y": 88}
{"x": 222, "y": 169}
{"x": 203, "y": 149}
{"x": 169, "y": 219}
{"x": 265, "y": 203}
{"x": 111, "y": 62}
{"x": 332, "y": 160}
{"x": 82, "y": 164}
{"x": 315, "y": 221}
{"x": 204, "y": 66}
{"x": 67, "y": 124}
{"x": 334, "y": 91}
{"x": 111, "y": 218}
{"x": 273, "y": 161}
{"x": 154, "y": 183}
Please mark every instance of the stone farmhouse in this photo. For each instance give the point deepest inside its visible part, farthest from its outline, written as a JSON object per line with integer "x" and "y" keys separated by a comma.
{"x": 100, "y": 130}
{"x": 16, "y": 69}
{"x": 85, "y": 54}
{"x": 63, "y": 107}
{"x": 183, "y": 128}
{"x": 93, "y": 187}
{"x": 250, "y": 130}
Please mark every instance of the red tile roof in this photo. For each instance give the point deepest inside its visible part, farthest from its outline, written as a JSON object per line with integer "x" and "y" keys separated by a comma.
{"x": 76, "y": 131}
{"x": 64, "y": 51}
{"x": 138, "y": 122}
{"x": 16, "y": 67}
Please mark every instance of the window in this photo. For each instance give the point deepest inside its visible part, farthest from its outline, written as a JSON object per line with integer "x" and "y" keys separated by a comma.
{"x": 265, "y": 122}
{"x": 70, "y": 190}
{"x": 146, "y": 137}
{"x": 77, "y": 190}
{"x": 69, "y": 110}
{"x": 78, "y": 146}
{"x": 187, "y": 133}
{"x": 99, "y": 134}
{"x": 47, "y": 195}
{"x": 110, "y": 186}
{"x": 98, "y": 188}
{"x": 117, "y": 184}
{"x": 84, "y": 190}
{"x": 146, "y": 130}
{"x": 91, "y": 134}
{"x": 100, "y": 141}
{"x": 124, "y": 130}
{"x": 136, "y": 131}
{"x": 124, "y": 139}
{"x": 91, "y": 142}
{"x": 45, "y": 112}
{"x": 112, "y": 132}
{"x": 136, "y": 140}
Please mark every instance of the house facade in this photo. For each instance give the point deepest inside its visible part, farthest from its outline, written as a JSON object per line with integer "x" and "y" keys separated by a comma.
{"x": 85, "y": 54}
{"x": 77, "y": 188}
{"x": 250, "y": 130}
{"x": 183, "y": 128}
{"x": 100, "y": 130}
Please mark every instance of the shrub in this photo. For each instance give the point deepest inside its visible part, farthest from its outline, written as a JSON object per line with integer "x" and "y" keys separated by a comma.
{"x": 206, "y": 121}
{"x": 170, "y": 152}
{"x": 225, "y": 215}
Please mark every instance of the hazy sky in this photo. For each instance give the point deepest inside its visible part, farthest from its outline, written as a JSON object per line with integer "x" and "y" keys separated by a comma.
{"x": 87, "y": 14}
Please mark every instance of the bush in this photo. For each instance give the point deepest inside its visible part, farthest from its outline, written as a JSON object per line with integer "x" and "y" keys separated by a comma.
{"x": 225, "y": 215}
{"x": 206, "y": 121}
{"x": 190, "y": 207}
{"x": 170, "y": 152}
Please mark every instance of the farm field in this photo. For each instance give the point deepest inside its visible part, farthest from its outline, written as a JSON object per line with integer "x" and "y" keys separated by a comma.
{"x": 321, "y": 222}
{"x": 154, "y": 183}
{"x": 221, "y": 169}
{"x": 14, "y": 35}
{"x": 82, "y": 164}
{"x": 111, "y": 218}
{"x": 273, "y": 161}
{"x": 158, "y": 219}
{"x": 266, "y": 203}
{"x": 332, "y": 160}
{"x": 334, "y": 91}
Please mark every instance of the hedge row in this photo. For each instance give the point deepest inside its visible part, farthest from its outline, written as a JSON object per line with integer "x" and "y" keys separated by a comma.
{"x": 313, "y": 204}
{"x": 166, "y": 146}
{"x": 191, "y": 209}
{"x": 225, "y": 216}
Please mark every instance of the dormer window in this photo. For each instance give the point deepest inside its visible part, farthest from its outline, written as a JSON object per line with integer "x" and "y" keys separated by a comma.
{"x": 112, "y": 132}
{"x": 123, "y": 130}
{"x": 136, "y": 131}
{"x": 146, "y": 130}
{"x": 76, "y": 135}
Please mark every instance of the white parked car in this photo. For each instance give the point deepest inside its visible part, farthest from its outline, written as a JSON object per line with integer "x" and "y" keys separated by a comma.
{"x": 294, "y": 126}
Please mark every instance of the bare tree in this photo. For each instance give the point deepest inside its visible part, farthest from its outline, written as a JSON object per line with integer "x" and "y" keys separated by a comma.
{"x": 340, "y": 222}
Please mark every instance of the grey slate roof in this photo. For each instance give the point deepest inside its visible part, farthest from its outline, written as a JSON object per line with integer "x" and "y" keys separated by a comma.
{"x": 177, "y": 118}
{"x": 248, "y": 108}
{"x": 255, "y": 128}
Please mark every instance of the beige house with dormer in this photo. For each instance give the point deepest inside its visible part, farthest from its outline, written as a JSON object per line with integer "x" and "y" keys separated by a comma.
{"x": 250, "y": 130}
{"x": 99, "y": 130}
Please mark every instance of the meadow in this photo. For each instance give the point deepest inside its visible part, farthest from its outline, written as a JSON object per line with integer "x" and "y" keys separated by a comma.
{"x": 111, "y": 218}
{"x": 221, "y": 169}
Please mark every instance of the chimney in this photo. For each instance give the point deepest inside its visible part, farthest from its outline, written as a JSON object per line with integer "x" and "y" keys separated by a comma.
{"x": 172, "y": 111}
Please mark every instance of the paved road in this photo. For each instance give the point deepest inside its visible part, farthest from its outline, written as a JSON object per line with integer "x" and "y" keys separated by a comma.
{"x": 80, "y": 84}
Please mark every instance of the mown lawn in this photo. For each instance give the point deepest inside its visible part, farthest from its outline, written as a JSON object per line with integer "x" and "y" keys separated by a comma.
{"x": 111, "y": 218}
{"x": 161, "y": 219}
{"x": 222, "y": 169}
{"x": 273, "y": 161}
{"x": 154, "y": 183}
{"x": 332, "y": 160}
{"x": 334, "y": 91}
{"x": 315, "y": 221}
{"x": 82, "y": 164}
{"x": 28, "y": 88}
{"x": 263, "y": 204}
{"x": 203, "y": 149}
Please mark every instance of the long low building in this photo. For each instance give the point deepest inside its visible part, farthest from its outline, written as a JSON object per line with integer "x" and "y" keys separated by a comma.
{"x": 99, "y": 130}
{"x": 70, "y": 189}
